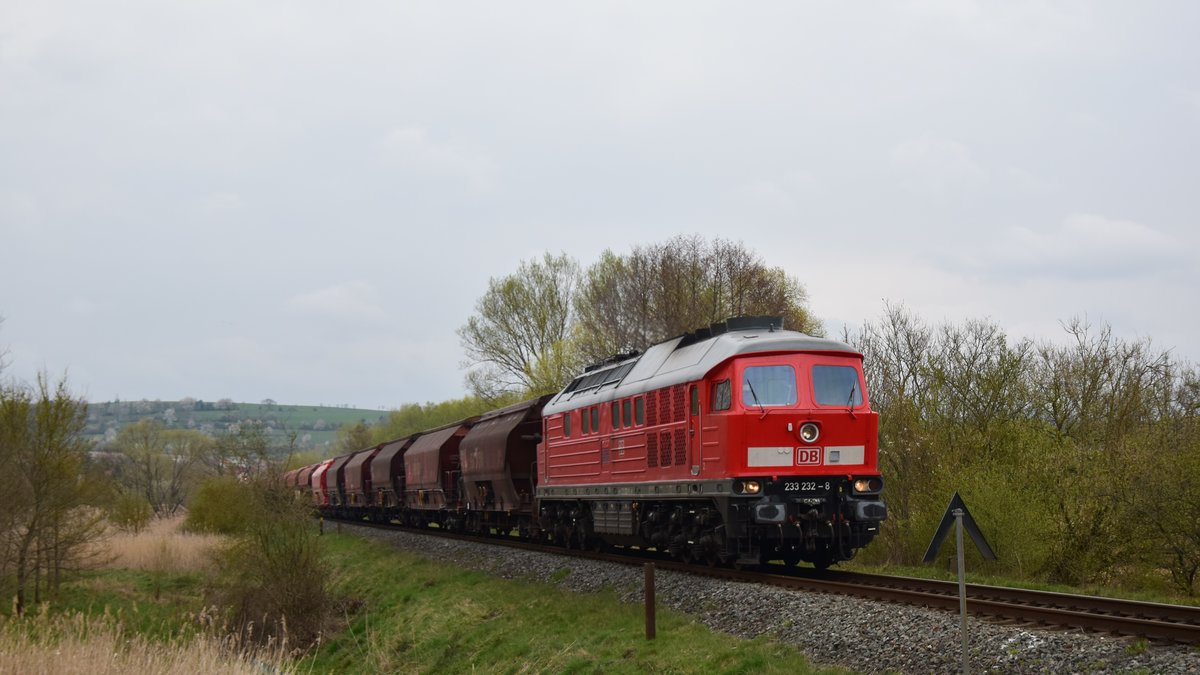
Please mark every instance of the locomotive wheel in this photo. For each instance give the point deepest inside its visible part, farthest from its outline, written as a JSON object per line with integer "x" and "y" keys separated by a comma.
{"x": 791, "y": 557}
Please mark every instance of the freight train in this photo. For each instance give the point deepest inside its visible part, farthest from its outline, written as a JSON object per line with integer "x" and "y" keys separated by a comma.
{"x": 740, "y": 443}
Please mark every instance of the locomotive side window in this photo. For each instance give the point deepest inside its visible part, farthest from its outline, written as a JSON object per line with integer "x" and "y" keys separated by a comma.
{"x": 626, "y": 414}
{"x": 721, "y": 396}
{"x": 595, "y": 418}
{"x": 836, "y": 385}
{"x": 583, "y": 421}
{"x": 768, "y": 386}
{"x": 639, "y": 411}
{"x": 695, "y": 400}
{"x": 567, "y": 424}
{"x": 614, "y": 415}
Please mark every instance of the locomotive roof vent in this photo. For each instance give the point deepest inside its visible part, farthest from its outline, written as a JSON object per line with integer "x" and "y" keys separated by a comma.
{"x": 771, "y": 323}
{"x": 615, "y": 358}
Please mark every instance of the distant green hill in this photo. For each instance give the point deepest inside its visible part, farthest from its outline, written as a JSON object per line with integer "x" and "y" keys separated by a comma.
{"x": 315, "y": 426}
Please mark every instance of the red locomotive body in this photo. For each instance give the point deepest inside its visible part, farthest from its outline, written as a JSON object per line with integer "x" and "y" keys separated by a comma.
{"x": 745, "y": 442}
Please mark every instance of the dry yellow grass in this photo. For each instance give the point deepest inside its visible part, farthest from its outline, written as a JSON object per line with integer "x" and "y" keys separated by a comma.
{"x": 99, "y": 646}
{"x": 162, "y": 547}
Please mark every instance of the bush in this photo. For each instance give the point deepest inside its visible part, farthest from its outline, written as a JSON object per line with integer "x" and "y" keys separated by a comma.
{"x": 130, "y": 512}
{"x": 222, "y": 505}
{"x": 273, "y": 580}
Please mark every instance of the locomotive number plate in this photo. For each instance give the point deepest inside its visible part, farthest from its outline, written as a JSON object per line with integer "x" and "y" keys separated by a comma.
{"x": 806, "y": 486}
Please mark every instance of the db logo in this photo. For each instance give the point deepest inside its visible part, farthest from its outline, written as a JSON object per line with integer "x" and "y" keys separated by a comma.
{"x": 808, "y": 456}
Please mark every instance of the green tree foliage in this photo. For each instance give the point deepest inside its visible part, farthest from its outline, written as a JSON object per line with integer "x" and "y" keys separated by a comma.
{"x": 630, "y": 302}
{"x": 411, "y": 418}
{"x": 46, "y": 519}
{"x": 353, "y": 437}
{"x": 220, "y": 505}
{"x": 1071, "y": 455}
{"x": 519, "y": 325}
{"x": 128, "y": 511}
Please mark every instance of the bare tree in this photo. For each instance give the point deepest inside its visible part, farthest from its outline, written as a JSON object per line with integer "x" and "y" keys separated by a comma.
{"x": 160, "y": 462}
{"x": 243, "y": 448}
{"x": 515, "y": 340}
{"x": 629, "y": 302}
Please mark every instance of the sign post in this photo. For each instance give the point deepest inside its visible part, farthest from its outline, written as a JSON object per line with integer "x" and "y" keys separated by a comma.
{"x": 958, "y": 515}
{"x": 962, "y": 586}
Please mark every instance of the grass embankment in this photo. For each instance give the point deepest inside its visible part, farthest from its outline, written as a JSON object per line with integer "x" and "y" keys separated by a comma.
{"x": 413, "y": 615}
{"x": 142, "y": 613}
{"x": 401, "y": 614}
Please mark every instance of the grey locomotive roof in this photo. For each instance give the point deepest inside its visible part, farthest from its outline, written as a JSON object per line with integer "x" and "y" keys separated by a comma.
{"x": 679, "y": 360}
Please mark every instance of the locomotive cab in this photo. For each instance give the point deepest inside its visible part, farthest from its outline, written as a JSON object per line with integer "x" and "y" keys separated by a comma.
{"x": 802, "y": 451}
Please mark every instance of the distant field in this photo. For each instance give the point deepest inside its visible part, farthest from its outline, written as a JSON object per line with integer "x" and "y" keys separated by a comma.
{"x": 316, "y": 426}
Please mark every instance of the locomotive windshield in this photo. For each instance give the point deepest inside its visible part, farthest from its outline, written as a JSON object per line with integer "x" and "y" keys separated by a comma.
{"x": 836, "y": 385}
{"x": 769, "y": 386}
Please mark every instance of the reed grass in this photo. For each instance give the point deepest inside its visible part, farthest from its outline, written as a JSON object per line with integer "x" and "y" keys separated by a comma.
{"x": 163, "y": 547}
{"x": 100, "y": 645}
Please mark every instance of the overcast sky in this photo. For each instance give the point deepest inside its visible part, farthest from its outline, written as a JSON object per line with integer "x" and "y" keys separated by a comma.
{"x": 303, "y": 200}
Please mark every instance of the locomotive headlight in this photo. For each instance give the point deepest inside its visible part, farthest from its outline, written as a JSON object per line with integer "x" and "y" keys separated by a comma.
{"x": 873, "y": 484}
{"x": 809, "y": 432}
{"x": 746, "y": 487}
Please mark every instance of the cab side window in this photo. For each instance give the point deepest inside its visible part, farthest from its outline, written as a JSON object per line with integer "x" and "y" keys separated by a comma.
{"x": 722, "y": 399}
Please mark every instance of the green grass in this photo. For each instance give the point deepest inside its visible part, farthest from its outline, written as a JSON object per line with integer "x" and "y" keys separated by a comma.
{"x": 413, "y": 615}
{"x": 158, "y": 605}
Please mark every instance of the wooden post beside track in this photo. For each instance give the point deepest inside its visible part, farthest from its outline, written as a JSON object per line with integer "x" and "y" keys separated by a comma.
{"x": 650, "y": 627}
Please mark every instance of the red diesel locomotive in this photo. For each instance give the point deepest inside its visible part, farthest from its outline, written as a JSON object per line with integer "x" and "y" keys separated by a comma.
{"x": 740, "y": 443}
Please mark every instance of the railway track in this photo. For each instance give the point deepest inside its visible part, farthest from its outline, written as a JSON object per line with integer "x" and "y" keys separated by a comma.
{"x": 1146, "y": 620}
